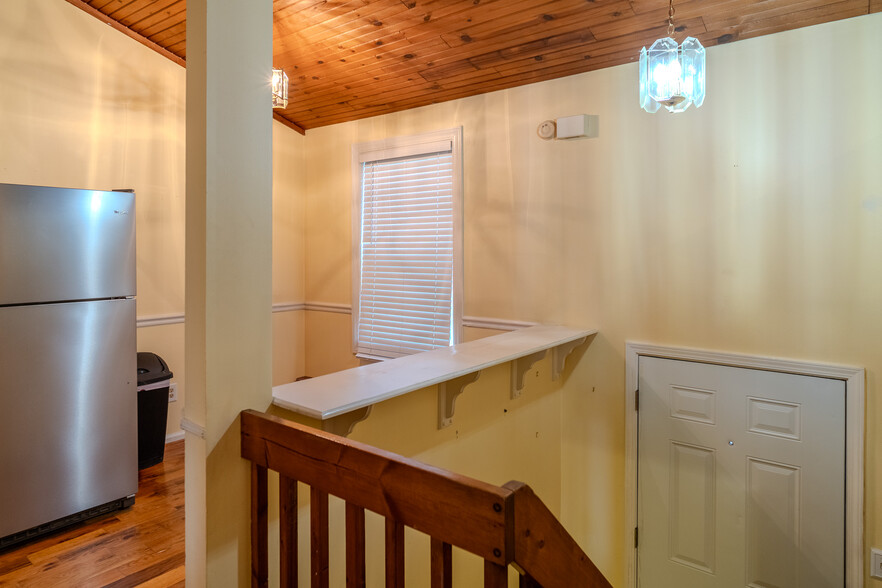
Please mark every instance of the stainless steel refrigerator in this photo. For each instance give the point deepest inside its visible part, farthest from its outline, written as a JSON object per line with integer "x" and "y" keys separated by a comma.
{"x": 68, "y": 404}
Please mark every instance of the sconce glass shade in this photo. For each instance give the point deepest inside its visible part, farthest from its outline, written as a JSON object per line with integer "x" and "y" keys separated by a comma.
{"x": 672, "y": 76}
{"x": 280, "y": 89}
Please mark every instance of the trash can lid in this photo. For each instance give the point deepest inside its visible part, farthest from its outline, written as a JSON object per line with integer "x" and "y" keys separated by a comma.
{"x": 151, "y": 368}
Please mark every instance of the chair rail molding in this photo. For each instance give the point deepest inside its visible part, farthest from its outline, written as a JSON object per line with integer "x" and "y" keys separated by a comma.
{"x": 475, "y": 322}
{"x": 175, "y": 318}
{"x": 160, "y": 319}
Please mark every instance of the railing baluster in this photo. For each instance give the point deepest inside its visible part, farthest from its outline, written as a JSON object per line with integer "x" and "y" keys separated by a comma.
{"x": 355, "y": 562}
{"x": 318, "y": 530}
{"x": 259, "y": 539}
{"x": 394, "y": 554}
{"x": 495, "y": 575}
{"x": 505, "y": 525}
{"x": 287, "y": 532}
{"x": 442, "y": 564}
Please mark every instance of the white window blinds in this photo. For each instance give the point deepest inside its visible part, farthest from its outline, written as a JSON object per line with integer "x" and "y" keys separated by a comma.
{"x": 408, "y": 250}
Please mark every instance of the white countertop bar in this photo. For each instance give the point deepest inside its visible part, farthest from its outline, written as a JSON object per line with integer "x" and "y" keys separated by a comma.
{"x": 338, "y": 393}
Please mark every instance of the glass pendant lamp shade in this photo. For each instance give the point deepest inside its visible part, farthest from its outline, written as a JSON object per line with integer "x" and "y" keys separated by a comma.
{"x": 672, "y": 75}
{"x": 280, "y": 89}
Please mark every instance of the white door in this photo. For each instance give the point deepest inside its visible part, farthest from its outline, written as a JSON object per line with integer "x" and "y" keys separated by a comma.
{"x": 741, "y": 477}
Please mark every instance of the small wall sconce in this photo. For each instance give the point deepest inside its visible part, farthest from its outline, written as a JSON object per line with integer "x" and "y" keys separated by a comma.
{"x": 280, "y": 89}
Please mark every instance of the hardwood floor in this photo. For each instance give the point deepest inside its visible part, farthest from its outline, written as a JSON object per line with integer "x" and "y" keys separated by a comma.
{"x": 140, "y": 546}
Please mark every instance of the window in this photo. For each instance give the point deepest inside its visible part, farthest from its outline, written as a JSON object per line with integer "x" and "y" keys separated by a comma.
{"x": 407, "y": 235}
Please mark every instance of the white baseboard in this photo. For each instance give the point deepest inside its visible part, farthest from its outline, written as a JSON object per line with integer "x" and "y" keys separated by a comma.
{"x": 172, "y": 437}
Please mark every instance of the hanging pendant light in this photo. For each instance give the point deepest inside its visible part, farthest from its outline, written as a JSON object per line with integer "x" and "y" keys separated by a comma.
{"x": 280, "y": 89}
{"x": 672, "y": 75}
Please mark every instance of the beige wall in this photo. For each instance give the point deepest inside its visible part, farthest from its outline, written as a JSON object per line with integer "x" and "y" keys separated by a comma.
{"x": 750, "y": 225}
{"x": 73, "y": 112}
{"x": 289, "y": 253}
{"x": 493, "y": 438}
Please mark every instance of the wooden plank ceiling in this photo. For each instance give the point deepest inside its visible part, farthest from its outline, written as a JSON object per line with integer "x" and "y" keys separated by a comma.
{"x": 350, "y": 59}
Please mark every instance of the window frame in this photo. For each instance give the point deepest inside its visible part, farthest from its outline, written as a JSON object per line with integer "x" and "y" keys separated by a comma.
{"x": 391, "y": 148}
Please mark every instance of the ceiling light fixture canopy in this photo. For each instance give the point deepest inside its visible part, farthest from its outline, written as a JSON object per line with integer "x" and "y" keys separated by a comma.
{"x": 280, "y": 89}
{"x": 672, "y": 75}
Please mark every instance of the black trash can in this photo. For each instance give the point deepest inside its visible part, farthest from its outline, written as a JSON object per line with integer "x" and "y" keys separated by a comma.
{"x": 153, "y": 383}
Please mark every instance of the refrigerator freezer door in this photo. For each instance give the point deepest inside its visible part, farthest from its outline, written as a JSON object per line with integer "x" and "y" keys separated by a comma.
{"x": 69, "y": 408}
{"x": 59, "y": 244}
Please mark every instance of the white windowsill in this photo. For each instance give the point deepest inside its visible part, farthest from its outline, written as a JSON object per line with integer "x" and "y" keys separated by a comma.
{"x": 343, "y": 398}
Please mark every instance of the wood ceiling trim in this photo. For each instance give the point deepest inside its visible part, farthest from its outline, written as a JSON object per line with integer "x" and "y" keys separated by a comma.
{"x": 172, "y": 34}
{"x": 288, "y": 123}
{"x": 125, "y": 10}
{"x": 85, "y": 7}
{"x": 99, "y": 4}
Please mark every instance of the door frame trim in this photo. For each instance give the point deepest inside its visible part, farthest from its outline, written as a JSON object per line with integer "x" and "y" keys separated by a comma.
{"x": 854, "y": 378}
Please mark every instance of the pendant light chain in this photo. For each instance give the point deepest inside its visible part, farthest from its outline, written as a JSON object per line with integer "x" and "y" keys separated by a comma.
{"x": 671, "y": 18}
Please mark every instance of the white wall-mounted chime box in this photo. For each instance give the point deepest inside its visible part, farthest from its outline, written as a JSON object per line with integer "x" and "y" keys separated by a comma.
{"x": 580, "y": 126}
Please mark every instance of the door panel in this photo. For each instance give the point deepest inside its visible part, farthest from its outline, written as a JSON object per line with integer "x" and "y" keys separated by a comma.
{"x": 692, "y": 505}
{"x": 740, "y": 477}
{"x": 772, "y": 524}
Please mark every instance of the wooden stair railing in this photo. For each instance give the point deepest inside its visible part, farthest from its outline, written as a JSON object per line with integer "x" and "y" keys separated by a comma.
{"x": 502, "y": 525}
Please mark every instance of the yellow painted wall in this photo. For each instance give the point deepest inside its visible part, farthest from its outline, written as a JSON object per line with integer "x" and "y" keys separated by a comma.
{"x": 74, "y": 113}
{"x": 289, "y": 253}
{"x": 750, "y": 225}
{"x": 493, "y": 438}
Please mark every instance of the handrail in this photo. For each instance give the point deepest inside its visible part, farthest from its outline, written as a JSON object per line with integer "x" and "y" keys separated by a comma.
{"x": 503, "y": 525}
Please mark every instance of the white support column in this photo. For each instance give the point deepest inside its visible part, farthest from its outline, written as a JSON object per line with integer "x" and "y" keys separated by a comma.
{"x": 228, "y": 273}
